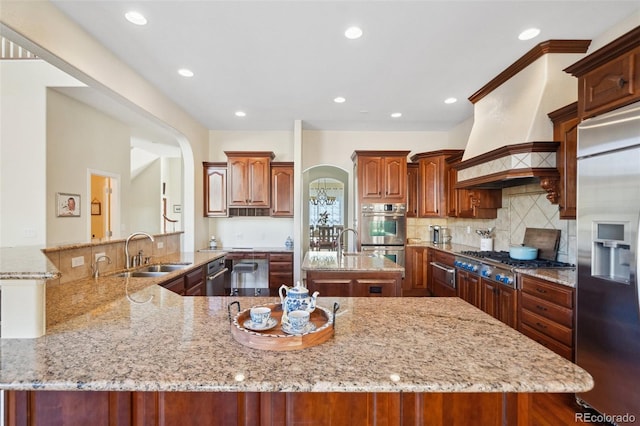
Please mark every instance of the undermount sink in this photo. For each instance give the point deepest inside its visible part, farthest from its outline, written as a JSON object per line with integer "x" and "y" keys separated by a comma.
{"x": 140, "y": 274}
{"x": 164, "y": 268}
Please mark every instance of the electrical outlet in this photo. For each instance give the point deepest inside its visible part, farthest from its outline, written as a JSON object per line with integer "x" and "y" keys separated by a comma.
{"x": 98, "y": 255}
{"x": 77, "y": 261}
{"x": 160, "y": 244}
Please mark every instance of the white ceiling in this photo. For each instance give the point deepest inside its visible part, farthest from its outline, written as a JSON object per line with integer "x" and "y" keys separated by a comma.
{"x": 282, "y": 61}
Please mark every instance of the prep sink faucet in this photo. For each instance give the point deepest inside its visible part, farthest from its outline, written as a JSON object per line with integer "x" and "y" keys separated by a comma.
{"x": 96, "y": 266}
{"x": 339, "y": 240}
{"x": 126, "y": 247}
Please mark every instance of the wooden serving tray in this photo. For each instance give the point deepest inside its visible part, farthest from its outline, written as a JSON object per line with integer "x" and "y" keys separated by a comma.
{"x": 277, "y": 340}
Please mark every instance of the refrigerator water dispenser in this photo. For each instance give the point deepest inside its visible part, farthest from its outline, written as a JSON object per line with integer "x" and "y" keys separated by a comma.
{"x": 611, "y": 253}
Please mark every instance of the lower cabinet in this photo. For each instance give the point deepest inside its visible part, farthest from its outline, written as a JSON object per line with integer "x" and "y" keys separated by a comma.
{"x": 500, "y": 302}
{"x": 280, "y": 270}
{"x": 547, "y": 314}
{"x": 355, "y": 284}
{"x": 191, "y": 283}
{"x": 37, "y": 408}
{"x": 415, "y": 271}
{"x": 469, "y": 288}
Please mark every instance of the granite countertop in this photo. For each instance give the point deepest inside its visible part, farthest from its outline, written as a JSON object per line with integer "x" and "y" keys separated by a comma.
{"x": 173, "y": 343}
{"x": 328, "y": 261}
{"x": 249, "y": 249}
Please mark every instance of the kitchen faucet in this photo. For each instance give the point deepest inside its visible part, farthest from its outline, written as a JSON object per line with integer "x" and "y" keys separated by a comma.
{"x": 96, "y": 266}
{"x": 126, "y": 247}
{"x": 339, "y": 240}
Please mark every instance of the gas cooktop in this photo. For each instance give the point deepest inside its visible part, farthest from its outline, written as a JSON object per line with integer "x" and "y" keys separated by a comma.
{"x": 504, "y": 258}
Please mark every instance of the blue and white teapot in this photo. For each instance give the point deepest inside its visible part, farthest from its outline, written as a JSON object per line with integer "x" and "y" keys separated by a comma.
{"x": 297, "y": 298}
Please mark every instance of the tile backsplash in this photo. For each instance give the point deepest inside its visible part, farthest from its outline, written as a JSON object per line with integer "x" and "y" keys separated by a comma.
{"x": 522, "y": 207}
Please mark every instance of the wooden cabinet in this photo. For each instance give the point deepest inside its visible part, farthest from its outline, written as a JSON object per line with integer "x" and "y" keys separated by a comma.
{"x": 470, "y": 203}
{"x": 609, "y": 77}
{"x": 412, "y": 190}
{"x": 433, "y": 182}
{"x": 280, "y": 269}
{"x": 441, "y": 279}
{"x": 547, "y": 314}
{"x": 500, "y": 302}
{"x": 468, "y": 288}
{"x": 415, "y": 271}
{"x": 215, "y": 189}
{"x": 249, "y": 178}
{"x": 565, "y": 130}
{"x": 282, "y": 189}
{"x": 176, "y": 285}
{"x": 355, "y": 283}
{"x": 381, "y": 176}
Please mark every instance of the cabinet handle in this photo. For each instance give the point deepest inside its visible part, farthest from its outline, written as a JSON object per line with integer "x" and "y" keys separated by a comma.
{"x": 542, "y": 308}
{"x": 622, "y": 82}
{"x": 541, "y": 325}
{"x": 541, "y": 290}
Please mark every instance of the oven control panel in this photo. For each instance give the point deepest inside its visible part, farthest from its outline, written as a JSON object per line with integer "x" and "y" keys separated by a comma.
{"x": 489, "y": 272}
{"x": 467, "y": 264}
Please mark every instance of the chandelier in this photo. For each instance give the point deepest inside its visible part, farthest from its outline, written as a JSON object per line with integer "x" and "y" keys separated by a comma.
{"x": 321, "y": 198}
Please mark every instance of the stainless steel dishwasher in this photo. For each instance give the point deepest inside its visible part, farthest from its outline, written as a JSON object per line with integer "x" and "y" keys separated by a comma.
{"x": 215, "y": 271}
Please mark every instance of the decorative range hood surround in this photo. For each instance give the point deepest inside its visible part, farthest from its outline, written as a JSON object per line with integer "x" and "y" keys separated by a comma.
{"x": 511, "y": 141}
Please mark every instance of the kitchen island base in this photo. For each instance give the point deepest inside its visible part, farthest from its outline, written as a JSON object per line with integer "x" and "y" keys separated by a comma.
{"x": 254, "y": 408}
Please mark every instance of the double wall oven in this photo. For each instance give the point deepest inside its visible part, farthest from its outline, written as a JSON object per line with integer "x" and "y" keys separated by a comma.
{"x": 383, "y": 230}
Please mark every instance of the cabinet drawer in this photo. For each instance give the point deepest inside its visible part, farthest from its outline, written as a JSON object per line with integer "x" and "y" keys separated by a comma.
{"x": 197, "y": 290}
{"x": 557, "y": 347}
{"x": 442, "y": 257}
{"x": 281, "y": 266}
{"x": 281, "y": 258}
{"x": 246, "y": 255}
{"x": 176, "y": 285}
{"x": 546, "y": 326}
{"x": 194, "y": 278}
{"x": 554, "y": 293}
{"x": 276, "y": 279}
{"x": 547, "y": 309}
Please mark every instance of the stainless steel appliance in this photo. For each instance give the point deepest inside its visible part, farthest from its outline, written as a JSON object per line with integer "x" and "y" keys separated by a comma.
{"x": 383, "y": 224}
{"x": 608, "y": 217}
{"x": 383, "y": 230}
{"x": 215, "y": 271}
{"x": 444, "y": 280}
{"x": 439, "y": 234}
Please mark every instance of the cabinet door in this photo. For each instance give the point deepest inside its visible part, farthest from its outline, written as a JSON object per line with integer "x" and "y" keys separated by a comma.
{"x": 215, "y": 191}
{"x": 565, "y": 130}
{"x": 259, "y": 182}
{"x": 430, "y": 184}
{"x": 330, "y": 287}
{"x": 412, "y": 190}
{"x": 453, "y": 194}
{"x": 238, "y": 171}
{"x": 370, "y": 178}
{"x": 490, "y": 298}
{"x": 282, "y": 191}
{"x": 507, "y": 306}
{"x": 374, "y": 287}
{"x": 176, "y": 285}
{"x": 395, "y": 179}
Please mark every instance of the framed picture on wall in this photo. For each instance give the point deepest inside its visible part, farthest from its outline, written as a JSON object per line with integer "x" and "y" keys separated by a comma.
{"x": 68, "y": 205}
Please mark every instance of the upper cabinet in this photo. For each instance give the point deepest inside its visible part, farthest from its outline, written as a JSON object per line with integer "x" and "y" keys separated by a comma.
{"x": 476, "y": 203}
{"x": 381, "y": 176}
{"x": 215, "y": 189}
{"x": 609, "y": 77}
{"x": 412, "y": 190}
{"x": 433, "y": 182}
{"x": 565, "y": 130}
{"x": 282, "y": 189}
{"x": 249, "y": 178}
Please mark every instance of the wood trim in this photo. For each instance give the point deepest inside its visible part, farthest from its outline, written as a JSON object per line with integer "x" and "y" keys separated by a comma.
{"x": 507, "y": 176}
{"x": 282, "y": 164}
{"x": 222, "y": 164}
{"x": 430, "y": 154}
{"x": 564, "y": 113}
{"x": 507, "y": 150}
{"x": 268, "y": 154}
{"x": 605, "y": 54}
{"x": 549, "y": 46}
{"x": 379, "y": 154}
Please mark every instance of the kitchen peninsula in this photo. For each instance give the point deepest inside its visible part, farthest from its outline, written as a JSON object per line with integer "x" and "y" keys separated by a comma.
{"x": 149, "y": 355}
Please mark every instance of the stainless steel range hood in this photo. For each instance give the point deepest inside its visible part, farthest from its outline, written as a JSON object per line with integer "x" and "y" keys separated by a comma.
{"x": 511, "y": 141}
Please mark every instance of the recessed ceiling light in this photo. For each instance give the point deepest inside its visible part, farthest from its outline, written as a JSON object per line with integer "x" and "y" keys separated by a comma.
{"x": 450, "y": 101}
{"x": 135, "y": 17}
{"x": 528, "y": 34}
{"x": 339, "y": 100}
{"x": 185, "y": 72}
{"x": 241, "y": 114}
{"x": 353, "y": 33}
{"x": 396, "y": 114}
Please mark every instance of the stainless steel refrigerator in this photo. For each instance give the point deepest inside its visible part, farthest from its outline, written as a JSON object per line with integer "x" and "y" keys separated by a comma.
{"x": 608, "y": 301}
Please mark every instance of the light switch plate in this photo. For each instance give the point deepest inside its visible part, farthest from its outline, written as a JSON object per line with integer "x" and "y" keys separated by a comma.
{"x": 77, "y": 261}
